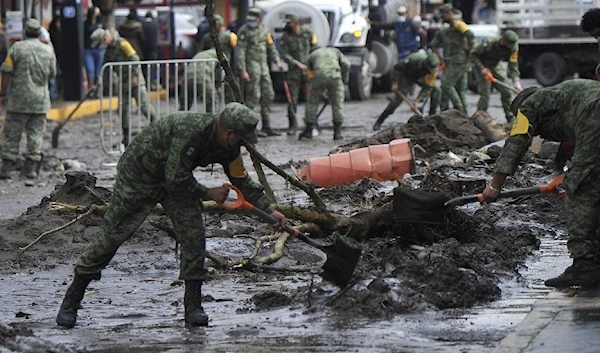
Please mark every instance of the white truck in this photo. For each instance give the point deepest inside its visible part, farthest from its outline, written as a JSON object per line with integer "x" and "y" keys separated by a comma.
{"x": 343, "y": 24}
{"x": 551, "y": 43}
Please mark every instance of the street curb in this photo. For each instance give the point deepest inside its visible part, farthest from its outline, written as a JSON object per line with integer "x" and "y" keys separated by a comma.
{"x": 93, "y": 107}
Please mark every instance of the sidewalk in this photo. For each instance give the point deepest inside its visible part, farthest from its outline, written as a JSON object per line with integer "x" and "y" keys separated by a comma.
{"x": 562, "y": 322}
{"x": 61, "y": 109}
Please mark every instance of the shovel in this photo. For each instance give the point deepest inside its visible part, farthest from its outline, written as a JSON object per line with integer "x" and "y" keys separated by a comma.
{"x": 415, "y": 206}
{"x": 56, "y": 130}
{"x": 488, "y": 76}
{"x": 342, "y": 256}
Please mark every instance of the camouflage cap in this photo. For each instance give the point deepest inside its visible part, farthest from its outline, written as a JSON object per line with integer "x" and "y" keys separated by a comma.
{"x": 446, "y": 8}
{"x": 290, "y": 17}
{"x": 254, "y": 13}
{"x": 240, "y": 119}
{"x": 510, "y": 37}
{"x": 432, "y": 61}
{"x": 219, "y": 19}
{"x": 33, "y": 27}
{"x": 521, "y": 97}
{"x": 97, "y": 36}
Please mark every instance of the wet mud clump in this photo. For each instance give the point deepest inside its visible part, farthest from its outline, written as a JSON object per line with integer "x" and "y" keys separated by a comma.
{"x": 22, "y": 340}
{"x": 449, "y": 130}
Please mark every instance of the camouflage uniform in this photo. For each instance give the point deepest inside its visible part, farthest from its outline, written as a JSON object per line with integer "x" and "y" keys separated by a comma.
{"x": 157, "y": 167}
{"x": 488, "y": 54}
{"x": 255, "y": 48}
{"x": 295, "y": 48}
{"x": 28, "y": 67}
{"x": 329, "y": 71}
{"x": 565, "y": 112}
{"x": 417, "y": 68}
{"x": 121, "y": 51}
{"x": 208, "y": 77}
{"x": 457, "y": 41}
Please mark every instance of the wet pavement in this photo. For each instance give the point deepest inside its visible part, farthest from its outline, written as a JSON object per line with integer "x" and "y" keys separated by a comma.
{"x": 528, "y": 318}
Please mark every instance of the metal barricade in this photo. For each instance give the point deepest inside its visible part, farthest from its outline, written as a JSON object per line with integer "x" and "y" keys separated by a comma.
{"x": 159, "y": 87}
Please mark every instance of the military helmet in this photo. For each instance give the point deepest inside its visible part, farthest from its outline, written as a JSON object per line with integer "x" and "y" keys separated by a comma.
{"x": 240, "y": 119}
{"x": 521, "y": 97}
{"x": 96, "y": 37}
{"x": 219, "y": 19}
{"x": 32, "y": 27}
{"x": 432, "y": 61}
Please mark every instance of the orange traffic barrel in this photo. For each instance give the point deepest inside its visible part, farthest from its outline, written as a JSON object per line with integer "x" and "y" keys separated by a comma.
{"x": 381, "y": 162}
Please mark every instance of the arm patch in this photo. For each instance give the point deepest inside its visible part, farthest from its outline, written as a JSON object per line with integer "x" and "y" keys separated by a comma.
{"x": 127, "y": 49}
{"x": 233, "y": 40}
{"x": 514, "y": 57}
{"x": 521, "y": 125}
{"x": 269, "y": 38}
{"x": 237, "y": 169}
{"x": 461, "y": 27}
{"x": 430, "y": 79}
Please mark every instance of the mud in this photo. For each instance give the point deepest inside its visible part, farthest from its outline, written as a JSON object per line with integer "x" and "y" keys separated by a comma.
{"x": 405, "y": 269}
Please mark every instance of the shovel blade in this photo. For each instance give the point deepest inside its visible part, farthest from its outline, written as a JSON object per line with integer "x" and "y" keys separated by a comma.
{"x": 415, "y": 206}
{"x": 342, "y": 257}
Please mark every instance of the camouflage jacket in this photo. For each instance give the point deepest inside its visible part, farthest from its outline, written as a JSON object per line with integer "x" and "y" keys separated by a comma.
{"x": 564, "y": 112}
{"x": 456, "y": 41}
{"x": 255, "y": 46}
{"x": 329, "y": 63}
{"x": 227, "y": 39}
{"x": 490, "y": 52}
{"x": 412, "y": 70}
{"x": 168, "y": 150}
{"x": 295, "y": 48}
{"x": 209, "y": 71}
{"x": 32, "y": 65}
{"x": 121, "y": 51}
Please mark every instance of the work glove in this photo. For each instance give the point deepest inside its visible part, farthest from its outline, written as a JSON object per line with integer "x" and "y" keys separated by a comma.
{"x": 485, "y": 72}
{"x": 395, "y": 87}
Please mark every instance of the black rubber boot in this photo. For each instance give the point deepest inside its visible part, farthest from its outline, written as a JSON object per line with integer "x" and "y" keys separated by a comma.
{"x": 583, "y": 273}
{"x": 29, "y": 169}
{"x": 67, "y": 315}
{"x": 293, "y": 125}
{"x": 192, "y": 302}
{"x": 8, "y": 169}
{"x": 337, "y": 131}
{"x": 380, "y": 120}
{"x": 307, "y": 133}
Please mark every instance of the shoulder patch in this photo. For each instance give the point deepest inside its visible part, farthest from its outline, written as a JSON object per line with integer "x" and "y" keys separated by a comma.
{"x": 461, "y": 26}
{"x": 237, "y": 169}
{"x": 521, "y": 125}
{"x": 127, "y": 49}
{"x": 269, "y": 38}
{"x": 233, "y": 40}
{"x": 313, "y": 40}
{"x": 430, "y": 79}
{"x": 514, "y": 57}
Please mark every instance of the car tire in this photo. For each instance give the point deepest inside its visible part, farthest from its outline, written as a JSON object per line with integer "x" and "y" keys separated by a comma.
{"x": 549, "y": 69}
{"x": 361, "y": 81}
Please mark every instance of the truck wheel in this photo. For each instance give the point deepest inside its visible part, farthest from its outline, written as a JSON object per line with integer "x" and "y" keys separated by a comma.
{"x": 361, "y": 80}
{"x": 549, "y": 69}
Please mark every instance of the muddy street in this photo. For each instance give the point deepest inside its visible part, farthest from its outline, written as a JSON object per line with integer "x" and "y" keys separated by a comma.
{"x": 459, "y": 287}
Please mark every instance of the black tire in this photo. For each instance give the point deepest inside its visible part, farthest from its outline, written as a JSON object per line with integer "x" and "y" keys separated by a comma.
{"x": 549, "y": 69}
{"x": 361, "y": 81}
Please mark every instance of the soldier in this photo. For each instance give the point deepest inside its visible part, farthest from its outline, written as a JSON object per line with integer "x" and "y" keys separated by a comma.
{"x": 27, "y": 70}
{"x": 255, "y": 46}
{"x": 119, "y": 50}
{"x": 457, "y": 41}
{"x": 227, "y": 39}
{"x": 158, "y": 167}
{"x": 328, "y": 70}
{"x": 296, "y": 42}
{"x": 418, "y": 68}
{"x": 566, "y": 112}
{"x": 486, "y": 58}
{"x": 205, "y": 79}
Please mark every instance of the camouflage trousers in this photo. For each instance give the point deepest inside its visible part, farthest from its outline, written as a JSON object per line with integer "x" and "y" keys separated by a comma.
{"x": 582, "y": 207}
{"x": 140, "y": 95}
{"x": 134, "y": 196}
{"x": 454, "y": 86}
{"x": 406, "y": 87}
{"x": 334, "y": 86}
{"x": 260, "y": 90}
{"x": 33, "y": 125}
{"x": 484, "y": 87}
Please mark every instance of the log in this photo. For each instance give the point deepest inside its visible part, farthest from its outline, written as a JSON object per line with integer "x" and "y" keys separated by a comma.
{"x": 493, "y": 130}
